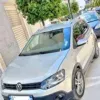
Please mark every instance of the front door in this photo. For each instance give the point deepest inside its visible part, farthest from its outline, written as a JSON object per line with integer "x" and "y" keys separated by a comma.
{"x": 81, "y": 31}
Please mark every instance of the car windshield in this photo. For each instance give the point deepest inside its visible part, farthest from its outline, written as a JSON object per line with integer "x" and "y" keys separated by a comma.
{"x": 90, "y": 17}
{"x": 46, "y": 42}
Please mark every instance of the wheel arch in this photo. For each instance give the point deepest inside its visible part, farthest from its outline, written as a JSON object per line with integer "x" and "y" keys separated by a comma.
{"x": 77, "y": 65}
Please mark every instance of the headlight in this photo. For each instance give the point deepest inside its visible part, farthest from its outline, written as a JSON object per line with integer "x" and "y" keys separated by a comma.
{"x": 53, "y": 80}
{"x": 97, "y": 27}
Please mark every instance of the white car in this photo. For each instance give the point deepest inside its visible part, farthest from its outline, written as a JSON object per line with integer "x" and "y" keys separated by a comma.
{"x": 53, "y": 63}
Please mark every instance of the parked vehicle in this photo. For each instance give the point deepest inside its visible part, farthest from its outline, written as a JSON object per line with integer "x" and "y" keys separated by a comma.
{"x": 97, "y": 9}
{"x": 52, "y": 65}
{"x": 93, "y": 19}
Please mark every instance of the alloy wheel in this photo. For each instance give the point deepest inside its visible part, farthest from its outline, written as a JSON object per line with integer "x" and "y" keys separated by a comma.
{"x": 79, "y": 83}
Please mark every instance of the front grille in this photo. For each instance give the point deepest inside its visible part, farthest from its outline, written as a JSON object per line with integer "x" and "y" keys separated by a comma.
{"x": 8, "y": 86}
{"x": 24, "y": 86}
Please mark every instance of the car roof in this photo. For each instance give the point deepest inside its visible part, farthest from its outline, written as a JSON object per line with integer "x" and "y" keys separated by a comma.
{"x": 88, "y": 12}
{"x": 56, "y": 26}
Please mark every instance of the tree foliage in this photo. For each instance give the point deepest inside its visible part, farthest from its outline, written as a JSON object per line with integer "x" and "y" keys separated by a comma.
{"x": 96, "y": 2}
{"x": 41, "y": 10}
{"x": 89, "y": 5}
{"x": 74, "y": 7}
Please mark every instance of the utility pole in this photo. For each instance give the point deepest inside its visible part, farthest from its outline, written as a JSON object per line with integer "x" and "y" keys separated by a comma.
{"x": 70, "y": 11}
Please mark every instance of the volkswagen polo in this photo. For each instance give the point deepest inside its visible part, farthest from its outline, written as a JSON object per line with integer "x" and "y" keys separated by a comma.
{"x": 53, "y": 64}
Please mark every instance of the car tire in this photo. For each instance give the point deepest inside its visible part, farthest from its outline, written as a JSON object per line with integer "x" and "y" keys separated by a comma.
{"x": 5, "y": 98}
{"x": 96, "y": 55}
{"x": 75, "y": 87}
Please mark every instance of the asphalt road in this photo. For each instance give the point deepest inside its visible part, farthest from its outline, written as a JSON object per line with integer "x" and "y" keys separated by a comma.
{"x": 92, "y": 91}
{"x": 93, "y": 80}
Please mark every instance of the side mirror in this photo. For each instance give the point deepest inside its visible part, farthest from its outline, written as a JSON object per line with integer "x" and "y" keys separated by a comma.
{"x": 82, "y": 42}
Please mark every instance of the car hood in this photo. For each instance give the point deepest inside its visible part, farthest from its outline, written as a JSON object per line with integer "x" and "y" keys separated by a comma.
{"x": 93, "y": 24}
{"x": 28, "y": 69}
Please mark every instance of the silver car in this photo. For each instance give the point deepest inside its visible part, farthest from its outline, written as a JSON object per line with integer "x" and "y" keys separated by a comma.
{"x": 53, "y": 63}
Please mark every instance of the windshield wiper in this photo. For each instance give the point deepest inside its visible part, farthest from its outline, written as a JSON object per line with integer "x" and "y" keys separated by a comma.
{"x": 49, "y": 51}
{"x": 37, "y": 53}
{"x": 29, "y": 54}
{"x": 24, "y": 54}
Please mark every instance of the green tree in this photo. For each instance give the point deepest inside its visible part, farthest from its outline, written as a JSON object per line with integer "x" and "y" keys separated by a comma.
{"x": 65, "y": 10}
{"x": 41, "y": 10}
{"x": 89, "y": 5}
{"x": 74, "y": 7}
{"x": 96, "y": 2}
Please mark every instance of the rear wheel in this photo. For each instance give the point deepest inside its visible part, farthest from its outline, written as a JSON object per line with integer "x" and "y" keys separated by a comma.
{"x": 5, "y": 98}
{"x": 96, "y": 55}
{"x": 78, "y": 84}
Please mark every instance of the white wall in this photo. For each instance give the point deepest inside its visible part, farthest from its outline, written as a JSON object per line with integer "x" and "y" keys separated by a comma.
{"x": 8, "y": 45}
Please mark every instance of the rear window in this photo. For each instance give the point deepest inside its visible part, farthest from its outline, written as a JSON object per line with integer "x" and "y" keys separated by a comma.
{"x": 90, "y": 17}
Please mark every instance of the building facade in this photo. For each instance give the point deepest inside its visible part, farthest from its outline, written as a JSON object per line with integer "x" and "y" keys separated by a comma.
{"x": 8, "y": 45}
{"x": 16, "y": 22}
{"x": 14, "y": 32}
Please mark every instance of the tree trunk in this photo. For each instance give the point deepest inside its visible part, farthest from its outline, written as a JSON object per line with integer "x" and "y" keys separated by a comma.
{"x": 43, "y": 23}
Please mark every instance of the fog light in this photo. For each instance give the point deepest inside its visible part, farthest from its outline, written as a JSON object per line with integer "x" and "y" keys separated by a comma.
{"x": 2, "y": 85}
{"x": 60, "y": 96}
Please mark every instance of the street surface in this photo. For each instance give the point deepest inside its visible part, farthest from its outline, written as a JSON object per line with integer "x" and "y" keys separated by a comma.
{"x": 92, "y": 81}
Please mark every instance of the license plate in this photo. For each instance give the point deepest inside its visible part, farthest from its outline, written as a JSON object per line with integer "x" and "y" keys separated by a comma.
{"x": 20, "y": 98}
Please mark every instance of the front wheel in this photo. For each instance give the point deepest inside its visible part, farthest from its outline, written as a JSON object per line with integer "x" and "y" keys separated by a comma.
{"x": 96, "y": 55}
{"x": 78, "y": 84}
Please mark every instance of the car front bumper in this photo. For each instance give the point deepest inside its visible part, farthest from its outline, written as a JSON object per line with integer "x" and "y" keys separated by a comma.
{"x": 61, "y": 95}
{"x": 62, "y": 90}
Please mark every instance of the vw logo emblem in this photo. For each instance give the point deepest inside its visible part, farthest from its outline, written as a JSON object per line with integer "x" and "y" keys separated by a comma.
{"x": 19, "y": 86}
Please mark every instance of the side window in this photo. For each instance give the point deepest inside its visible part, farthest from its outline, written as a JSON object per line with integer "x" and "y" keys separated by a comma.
{"x": 76, "y": 32}
{"x": 83, "y": 26}
{"x": 79, "y": 31}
